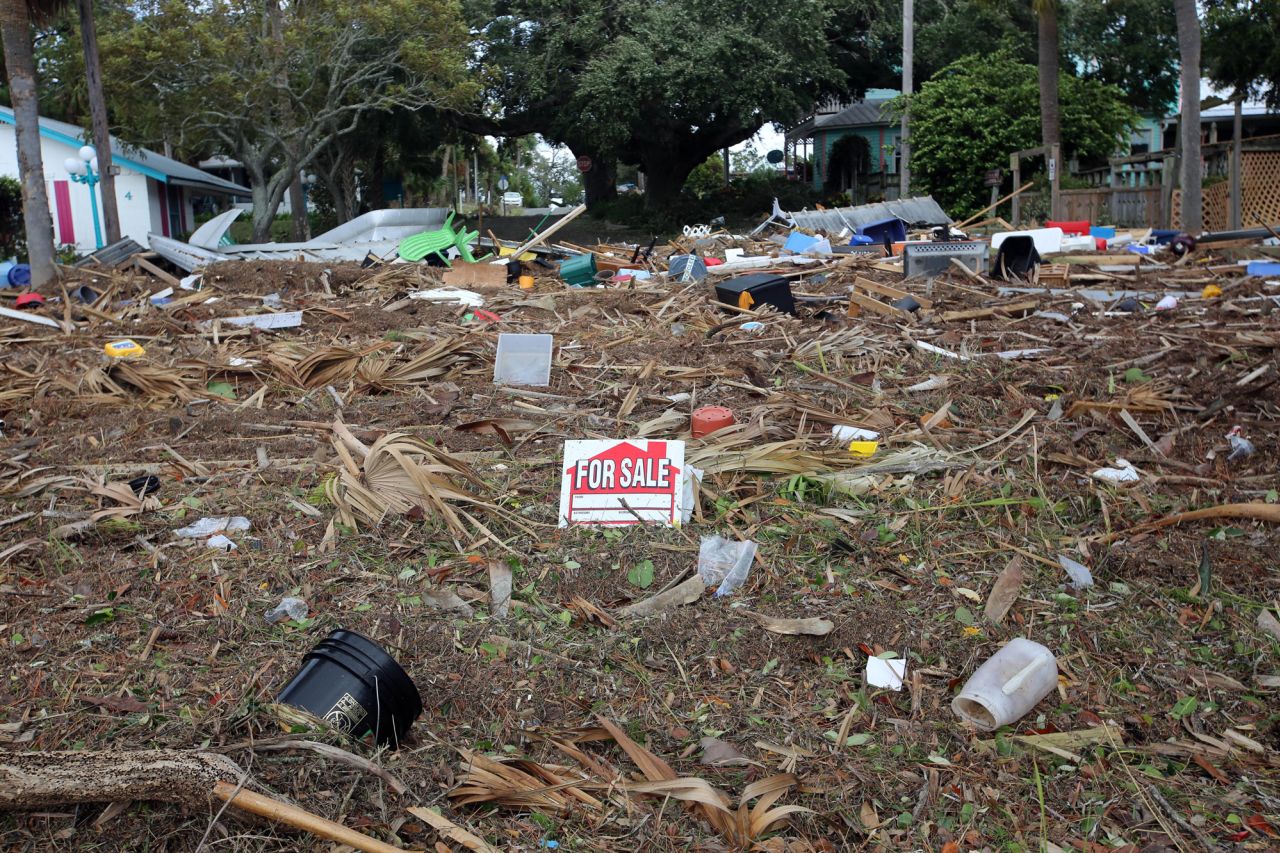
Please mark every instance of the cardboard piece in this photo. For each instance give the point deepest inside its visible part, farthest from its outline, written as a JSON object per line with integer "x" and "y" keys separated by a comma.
{"x": 622, "y": 482}
{"x": 482, "y": 277}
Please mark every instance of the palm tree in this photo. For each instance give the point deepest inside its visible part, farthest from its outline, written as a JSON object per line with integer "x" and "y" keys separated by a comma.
{"x": 16, "y": 17}
{"x": 1047, "y": 46}
{"x": 1189, "y": 120}
{"x": 98, "y": 113}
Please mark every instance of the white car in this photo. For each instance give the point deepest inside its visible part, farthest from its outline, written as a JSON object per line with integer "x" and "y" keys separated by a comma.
{"x": 511, "y": 199}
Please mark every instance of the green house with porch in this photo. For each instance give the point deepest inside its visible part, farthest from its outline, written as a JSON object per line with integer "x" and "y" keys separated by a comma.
{"x": 851, "y": 147}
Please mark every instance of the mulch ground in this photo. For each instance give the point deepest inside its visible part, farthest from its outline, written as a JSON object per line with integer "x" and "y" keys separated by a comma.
{"x": 115, "y": 634}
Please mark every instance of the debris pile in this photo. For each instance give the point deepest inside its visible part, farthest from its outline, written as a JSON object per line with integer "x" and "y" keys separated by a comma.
{"x": 732, "y": 520}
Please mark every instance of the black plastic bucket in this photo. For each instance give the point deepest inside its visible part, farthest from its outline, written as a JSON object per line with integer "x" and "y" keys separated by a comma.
{"x": 351, "y": 683}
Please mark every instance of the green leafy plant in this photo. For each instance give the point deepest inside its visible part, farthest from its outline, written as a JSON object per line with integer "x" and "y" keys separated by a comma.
{"x": 641, "y": 574}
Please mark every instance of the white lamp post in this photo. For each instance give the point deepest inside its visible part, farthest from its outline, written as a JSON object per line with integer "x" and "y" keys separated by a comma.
{"x": 84, "y": 170}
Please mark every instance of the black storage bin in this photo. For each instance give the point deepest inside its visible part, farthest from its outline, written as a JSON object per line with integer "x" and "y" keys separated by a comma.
{"x": 765, "y": 289}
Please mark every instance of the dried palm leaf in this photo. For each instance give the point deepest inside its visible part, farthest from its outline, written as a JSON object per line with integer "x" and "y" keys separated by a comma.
{"x": 152, "y": 381}
{"x": 754, "y": 822}
{"x": 521, "y": 784}
{"x": 127, "y": 501}
{"x": 442, "y": 359}
{"x": 714, "y": 808}
{"x": 398, "y": 473}
{"x": 738, "y": 452}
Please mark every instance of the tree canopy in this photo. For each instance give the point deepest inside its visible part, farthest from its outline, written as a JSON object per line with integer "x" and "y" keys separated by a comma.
{"x": 1241, "y": 48}
{"x": 975, "y": 112}
{"x": 278, "y": 86}
{"x": 660, "y": 84}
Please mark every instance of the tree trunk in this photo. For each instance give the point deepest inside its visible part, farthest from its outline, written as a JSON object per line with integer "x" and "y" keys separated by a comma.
{"x": 42, "y": 780}
{"x": 15, "y": 33}
{"x": 1050, "y": 125}
{"x": 298, "y": 204}
{"x": 374, "y": 183}
{"x": 1189, "y": 120}
{"x": 600, "y": 182}
{"x": 664, "y": 177}
{"x": 101, "y": 127}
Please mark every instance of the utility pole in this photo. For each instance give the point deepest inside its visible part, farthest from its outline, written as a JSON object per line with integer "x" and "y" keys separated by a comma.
{"x": 908, "y": 60}
{"x": 98, "y": 111}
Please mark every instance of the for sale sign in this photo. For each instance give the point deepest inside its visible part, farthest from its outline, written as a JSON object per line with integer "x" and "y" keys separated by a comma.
{"x": 622, "y": 482}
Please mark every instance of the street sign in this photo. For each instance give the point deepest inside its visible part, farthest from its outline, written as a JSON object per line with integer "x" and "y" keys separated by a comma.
{"x": 584, "y": 163}
{"x": 503, "y": 183}
{"x": 993, "y": 178}
{"x": 618, "y": 483}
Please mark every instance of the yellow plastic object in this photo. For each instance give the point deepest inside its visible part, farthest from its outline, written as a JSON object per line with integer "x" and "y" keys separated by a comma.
{"x": 746, "y": 300}
{"x": 124, "y": 349}
{"x": 1210, "y": 291}
{"x": 507, "y": 251}
{"x": 863, "y": 449}
{"x": 526, "y": 282}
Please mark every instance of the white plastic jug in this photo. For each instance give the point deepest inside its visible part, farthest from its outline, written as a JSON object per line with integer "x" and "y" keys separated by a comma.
{"x": 1008, "y": 685}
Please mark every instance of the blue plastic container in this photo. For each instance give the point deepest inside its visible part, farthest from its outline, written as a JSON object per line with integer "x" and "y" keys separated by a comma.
{"x": 1162, "y": 236}
{"x": 799, "y": 242}
{"x": 5, "y": 266}
{"x": 20, "y": 275}
{"x": 1106, "y": 232}
{"x": 893, "y": 227}
{"x": 861, "y": 240}
{"x": 1263, "y": 268}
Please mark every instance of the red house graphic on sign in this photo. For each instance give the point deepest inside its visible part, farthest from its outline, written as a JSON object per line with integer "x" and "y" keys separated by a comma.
{"x": 624, "y": 484}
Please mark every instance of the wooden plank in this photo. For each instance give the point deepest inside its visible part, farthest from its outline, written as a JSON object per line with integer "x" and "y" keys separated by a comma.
{"x": 144, "y": 264}
{"x": 876, "y": 306}
{"x": 994, "y": 310}
{"x": 893, "y": 292}
{"x": 1099, "y": 260}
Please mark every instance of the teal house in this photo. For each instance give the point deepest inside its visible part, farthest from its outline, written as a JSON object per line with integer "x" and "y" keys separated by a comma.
{"x": 851, "y": 147}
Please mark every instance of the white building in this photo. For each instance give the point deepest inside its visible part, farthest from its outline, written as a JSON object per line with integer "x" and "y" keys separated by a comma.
{"x": 154, "y": 193}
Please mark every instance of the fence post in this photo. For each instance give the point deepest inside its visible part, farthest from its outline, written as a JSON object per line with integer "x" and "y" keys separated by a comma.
{"x": 1015, "y": 166}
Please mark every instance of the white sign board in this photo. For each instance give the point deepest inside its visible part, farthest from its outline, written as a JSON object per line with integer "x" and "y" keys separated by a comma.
{"x": 280, "y": 320}
{"x": 622, "y": 482}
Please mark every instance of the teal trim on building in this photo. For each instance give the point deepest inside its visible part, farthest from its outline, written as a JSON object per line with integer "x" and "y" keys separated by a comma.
{"x": 7, "y": 117}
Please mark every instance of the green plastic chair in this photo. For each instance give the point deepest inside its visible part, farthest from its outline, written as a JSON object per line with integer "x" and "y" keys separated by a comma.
{"x": 428, "y": 243}
{"x": 437, "y": 243}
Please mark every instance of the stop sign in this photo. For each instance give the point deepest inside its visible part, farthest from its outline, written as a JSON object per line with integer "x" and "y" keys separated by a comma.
{"x": 584, "y": 163}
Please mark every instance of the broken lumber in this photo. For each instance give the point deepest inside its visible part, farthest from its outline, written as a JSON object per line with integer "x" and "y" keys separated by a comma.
{"x": 892, "y": 292}
{"x": 993, "y": 311}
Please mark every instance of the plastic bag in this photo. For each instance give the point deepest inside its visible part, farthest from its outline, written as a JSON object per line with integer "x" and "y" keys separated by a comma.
{"x": 291, "y": 608}
{"x": 725, "y": 562}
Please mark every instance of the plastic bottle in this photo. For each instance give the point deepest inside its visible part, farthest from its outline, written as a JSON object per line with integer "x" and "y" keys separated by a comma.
{"x": 1008, "y": 685}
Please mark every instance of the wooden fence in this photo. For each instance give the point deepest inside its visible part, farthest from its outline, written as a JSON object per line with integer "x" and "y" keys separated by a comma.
{"x": 1123, "y": 206}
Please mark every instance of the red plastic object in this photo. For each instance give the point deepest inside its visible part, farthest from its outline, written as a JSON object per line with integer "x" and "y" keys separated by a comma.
{"x": 1101, "y": 243}
{"x": 28, "y": 299}
{"x": 708, "y": 419}
{"x": 712, "y": 262}
{"x": 1078, "y": 228}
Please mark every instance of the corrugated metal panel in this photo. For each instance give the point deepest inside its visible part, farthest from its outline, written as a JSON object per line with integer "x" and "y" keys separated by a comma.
{"x": 386, "y": 224}
{"x": 110, "y": 256}
{"x": 183, "y": 255}
{"x": 921, "y": 211}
